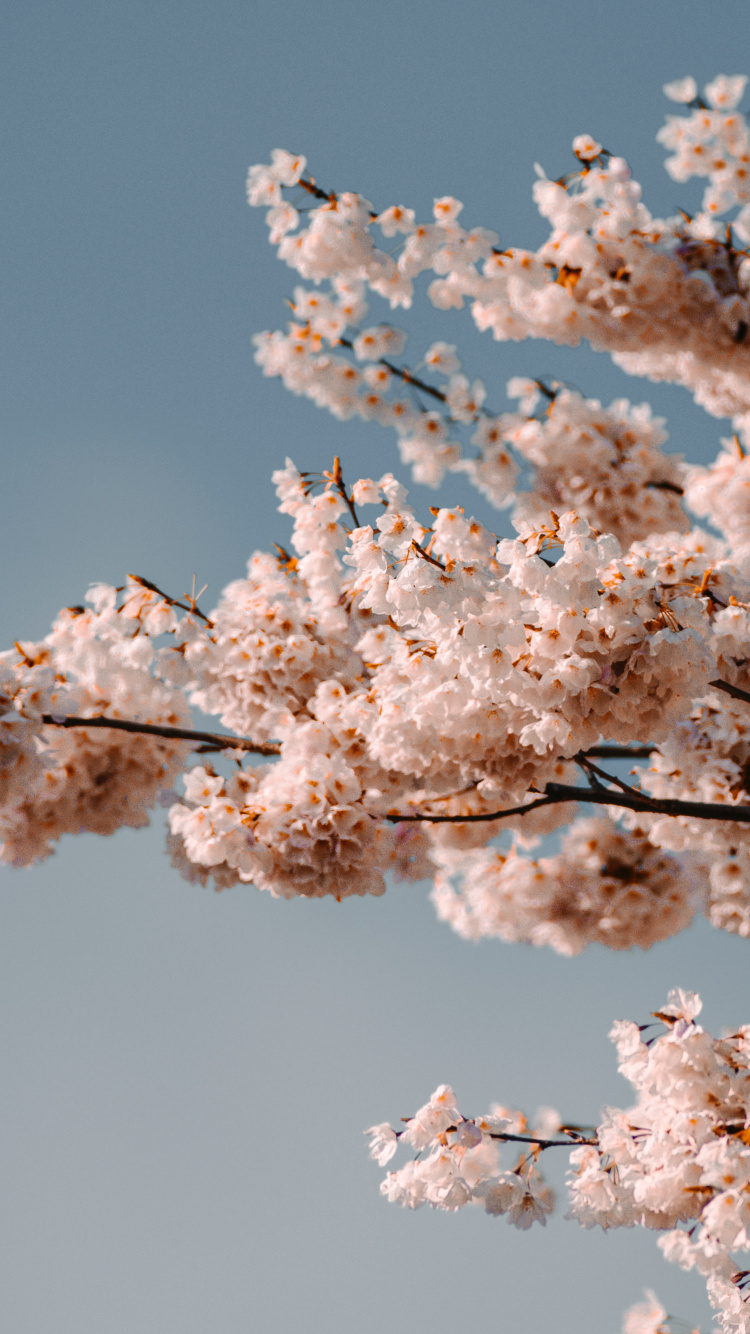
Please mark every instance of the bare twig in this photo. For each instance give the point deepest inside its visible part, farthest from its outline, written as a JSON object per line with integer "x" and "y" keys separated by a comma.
{"x": 572, "y": 1143}
{"x": 425, "y": 555}
{"x": 471, "y": 819}
{"x": 555, "y": 793}
{"x": 595, "y": 774}
{"x": 666, "y": 486}
{"x": 172, "y": 602}
{"x": 544, "y": 1143}
{"x": 403, "y": 373}
{"x": 620, "y": 752}
{"x": 210, "y": 740}
{"x": 337, "y": 478}
{"x": 734, "y": 691}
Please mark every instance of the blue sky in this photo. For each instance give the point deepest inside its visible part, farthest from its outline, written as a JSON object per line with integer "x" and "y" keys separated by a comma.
{"x": 186, "y": 1076}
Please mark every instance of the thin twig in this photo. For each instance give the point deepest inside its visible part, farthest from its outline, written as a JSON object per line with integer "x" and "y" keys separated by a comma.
{"x": 555, "y": 793}
{"x": 337, "y": 478}
{"x": 734, "y": 691}
{"x": 596, "y": 773}
{"x": 425, "y": 555}
{"x": 172, "y": 602}
{"x": 700, "y": 810}
{"x": 544, "y": 1143}
{"x": 212, "y": 740}
{"x": 403, "y": 373}
{"x": 666, "y": 486}
{"x": 620, "y": 752}
{"x": 470, "y": 819}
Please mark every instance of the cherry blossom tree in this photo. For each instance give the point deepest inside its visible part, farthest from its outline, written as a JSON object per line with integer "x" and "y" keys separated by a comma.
{"x": 408, "y": 693}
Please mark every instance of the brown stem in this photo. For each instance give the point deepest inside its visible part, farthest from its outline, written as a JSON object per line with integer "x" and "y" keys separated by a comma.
{"x": 425, "y": 555}
{"x": 172, "y": 602}
{"x": 555, "y": 793}
{"x": 620, "y": 752}
{"x": 470, "y": 819}
{"x": 734, "y": 691}
{"x": 572, "y": 1143}
{"x": 545, "y": 1143}
{"x": 403, "y": 373}
{"x": 666, "y": 486}
{"x": 212, "y": 740}
{"x": 315, "y": 190}
{"x": 594, "y": 773}
{"x": 330, "y": 197}
{"x": 337, "y": 478}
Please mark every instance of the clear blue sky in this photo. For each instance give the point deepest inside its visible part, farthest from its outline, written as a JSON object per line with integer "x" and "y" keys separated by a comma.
{"x": 185, "y": 1077}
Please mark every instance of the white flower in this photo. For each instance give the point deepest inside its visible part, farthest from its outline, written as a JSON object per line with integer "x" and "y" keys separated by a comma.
{"x": 681, "y": 90}
{"x": 447, "y": 209}
{"x": 585, "y": 147}
{"x": 725, "y": 91}
{"x": 383, "y": 1143}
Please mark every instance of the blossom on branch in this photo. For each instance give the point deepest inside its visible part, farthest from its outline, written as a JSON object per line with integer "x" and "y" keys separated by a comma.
{"x": 677, "y": 1162}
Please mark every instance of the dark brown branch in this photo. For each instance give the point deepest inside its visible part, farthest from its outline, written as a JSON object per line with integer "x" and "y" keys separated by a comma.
{"x": 594, "y": 774}
{"x": 471, "y": 819}
{"x": 620, "y": 752}
{"x": 541, "y": 1143}
{"x": 698, "y": 810}
{"x": 171, "y": 602}
{"x": 315, "y": 190}
{"x": 734, "y": 691}
{"x": 212, "y": 740}
{"x": 555, "y": 793}
{"x": 544, "y": 1143}
{"x": 666, "y": 486}
{"x": 425, "y": 555}
{"x": 330, "y": 196}
{"x": 337, "y": 478}
{"x": 403, "y": 373}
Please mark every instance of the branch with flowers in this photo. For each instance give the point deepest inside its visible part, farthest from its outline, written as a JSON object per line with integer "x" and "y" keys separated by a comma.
{"x": 418, "y": 699}
{"x": 677, "y": 1162}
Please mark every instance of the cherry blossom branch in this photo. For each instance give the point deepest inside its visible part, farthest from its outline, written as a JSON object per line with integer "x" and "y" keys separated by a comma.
{"x": 734, "y": 691}
{"x": 666, "y": 486}
{"x": 544, "y": 1143}
{"x": 555, "y": 793}
{"x": 594, "y": 774}
{"x": 471, "y": 819}
{"x": 403, "y": 373}
{"x": 329, "y": 196}
{"x": 506, "y": 1137}
{"x": 337, "y": 478}
{"x": 213, "y": 740}
{"x": 172, "y": 602}
{"x": 606, "y": 752}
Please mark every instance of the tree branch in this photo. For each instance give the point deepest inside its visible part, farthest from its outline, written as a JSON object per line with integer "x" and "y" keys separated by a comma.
{"x": 734, "y": 691}
{"x": 403, "y": 374}
{"x": 545, "y": 1143}
{"x": 571, "y": 1143}
{"x": 555, "y": 793}
{"x": 620, "y": 752}
{"x": 470, "y": 819}
{"x": 212, "y": 740}
{"x": 172, "y": 602}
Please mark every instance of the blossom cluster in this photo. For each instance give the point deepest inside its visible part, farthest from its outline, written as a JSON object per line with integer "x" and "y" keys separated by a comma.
{"x": 677, "y": 1162}
{"x": 668, "y": 298}
{"x": 458, "y": 1161}
{"x": 417, "y": 687}
{"x": 607, "y": 884}
{"x": 404, "y": 670}
{"x": 56, "y": 780}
